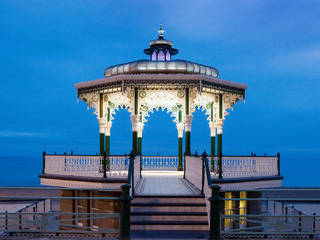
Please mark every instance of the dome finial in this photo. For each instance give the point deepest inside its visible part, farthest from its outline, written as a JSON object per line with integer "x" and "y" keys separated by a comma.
{"x": 161, "y": 32}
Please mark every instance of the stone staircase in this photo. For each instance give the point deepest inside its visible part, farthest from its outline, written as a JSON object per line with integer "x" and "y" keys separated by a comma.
{"x": 169, "y": 216}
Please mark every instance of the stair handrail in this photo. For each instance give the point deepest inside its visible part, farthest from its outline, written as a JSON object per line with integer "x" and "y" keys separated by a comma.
{"x": 215, "y": 200}
{"x": 126, "y": 198}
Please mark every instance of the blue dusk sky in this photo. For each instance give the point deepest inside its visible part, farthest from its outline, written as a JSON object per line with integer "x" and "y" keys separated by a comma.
{"x": 271, "y": 45}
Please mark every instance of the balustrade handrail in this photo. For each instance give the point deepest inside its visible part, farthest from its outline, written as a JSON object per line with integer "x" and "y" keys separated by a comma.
{"x": 224, "y": 155}
{"x": 207, "y": 170}
{"x": 214, "y": 199}
{"x": 159, "y": 156}
{"x": 85, "y": 155}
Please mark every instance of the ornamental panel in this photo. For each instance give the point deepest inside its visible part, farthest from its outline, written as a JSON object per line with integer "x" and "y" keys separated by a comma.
{"x": 169, "y": 100}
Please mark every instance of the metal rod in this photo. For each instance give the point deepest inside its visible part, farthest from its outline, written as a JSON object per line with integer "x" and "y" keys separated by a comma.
{"x": 300, "y": 223}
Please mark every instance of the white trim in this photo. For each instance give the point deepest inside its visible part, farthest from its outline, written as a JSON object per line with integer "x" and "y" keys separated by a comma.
{"x": 165, "y": 77}
{"x": 188, "y": 122}
{"x": 134, "y": 122}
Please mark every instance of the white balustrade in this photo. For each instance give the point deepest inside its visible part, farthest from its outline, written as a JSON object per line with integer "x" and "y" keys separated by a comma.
{"x": 88, "y": 166}
{"x": 194, "y": 170}
{"x": 118, "y": 166}
{"x": 160, "y": 162}
{"x": 246, "y": 166}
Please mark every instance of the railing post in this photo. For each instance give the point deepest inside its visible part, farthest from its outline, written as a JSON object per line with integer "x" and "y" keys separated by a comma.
{"x": 286, "y": 214}
{"x": 6, "y": 220}
{"x": 125, "y": 212}
{"x": 278, "y": 156}
{"x": 203, "y": 156}
{"x": 314, "y": 223}
{"x": 20, "y": 222}
{"x": 107, "y": 161}
{"x": 220, "y": 165}
{"x": 300, "y": 221}
{"x": 215, "y": 200}
{"x": 43, "y": 162}
{"x": 132, "y": 158}
{"x": 104, "y": 164}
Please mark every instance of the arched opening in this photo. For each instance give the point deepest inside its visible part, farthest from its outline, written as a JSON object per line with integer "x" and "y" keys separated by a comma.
{"x": 121, "y": 133}
{"x": 168, "y": 56}
{"x": 200, "y": 132}
{"x": 161, "y": 56}
{"x": 159, "y": 135}
{"x": 154, "y": 56}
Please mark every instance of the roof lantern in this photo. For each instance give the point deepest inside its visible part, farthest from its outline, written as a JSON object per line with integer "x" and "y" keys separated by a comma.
{"x": 161, "y": 49}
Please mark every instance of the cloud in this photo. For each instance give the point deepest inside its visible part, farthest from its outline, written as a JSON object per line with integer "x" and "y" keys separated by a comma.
{"x": 6, "y": 133}
{"x": 301, "y": 59}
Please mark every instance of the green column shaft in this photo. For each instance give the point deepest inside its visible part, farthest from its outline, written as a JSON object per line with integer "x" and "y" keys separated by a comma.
{"x": 139, "y": 145}
{"x": 134, "y": 142}
{"x": 107, "y": 152}
{"x": 101, "y": 143}
{"x": 219, "y": 144}
{"x": 188, "y": 143}
{"x": 219, "y": 162}
{"x": 180, "y": 154}
{"x": 213, "y": 146}
{"x": 108, "y": 145}
{"x": 213, "y": 151}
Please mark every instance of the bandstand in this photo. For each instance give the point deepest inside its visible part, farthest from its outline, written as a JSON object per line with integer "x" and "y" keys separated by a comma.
{"x": 179, "y": 87}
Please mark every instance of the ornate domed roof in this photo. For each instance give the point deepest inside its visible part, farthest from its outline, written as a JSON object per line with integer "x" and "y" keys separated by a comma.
{"x": 175, "y": 66}
{"x": 160, "y": 52}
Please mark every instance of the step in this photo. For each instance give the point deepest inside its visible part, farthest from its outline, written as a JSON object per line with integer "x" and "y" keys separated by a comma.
{"x": 169, "y": 225}
{"x": 169, "y": 234}
{"x": 169, "y": 199}
{"x": 168, "y": 207}
{"x": 169, "y": 216}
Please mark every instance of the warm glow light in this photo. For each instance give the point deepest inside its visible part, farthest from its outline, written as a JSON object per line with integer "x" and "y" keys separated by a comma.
{"x": 242, "y": 208}
{"x": 228, "y": 210}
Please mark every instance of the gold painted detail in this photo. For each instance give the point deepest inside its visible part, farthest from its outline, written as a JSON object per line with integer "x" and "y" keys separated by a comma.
{"x": 180, "y": 94}
{"x": 142, "y": 94}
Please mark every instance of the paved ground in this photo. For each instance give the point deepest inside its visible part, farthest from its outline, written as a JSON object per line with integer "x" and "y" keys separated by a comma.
{"x": 164, "y": 183}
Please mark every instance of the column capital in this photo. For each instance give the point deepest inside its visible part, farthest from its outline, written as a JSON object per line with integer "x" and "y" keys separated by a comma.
{"x": 219, "y": 125}
{"x": 188, "y": 122}
{"x": 180, "y": 128}
{"x": 108, "y": 128}
{"x": 134, "y": 122}
{"x": 102, "y": 125}
{"x": 212, "y": 129}
{"x": 140, "y": 129}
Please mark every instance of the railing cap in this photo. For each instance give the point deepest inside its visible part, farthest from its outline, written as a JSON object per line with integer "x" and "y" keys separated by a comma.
{"x": 132, "y": 154}
{"x": 125, "y": 186}
{"x": 204, "y": 154}
{"x": 215, "y": 188}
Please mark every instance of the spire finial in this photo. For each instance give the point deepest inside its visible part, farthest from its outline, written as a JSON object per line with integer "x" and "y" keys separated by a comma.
{"x": 161, "y": 32}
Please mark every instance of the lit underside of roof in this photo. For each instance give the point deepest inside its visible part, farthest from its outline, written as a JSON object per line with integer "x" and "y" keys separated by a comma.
{"x": 182, "y": 80}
